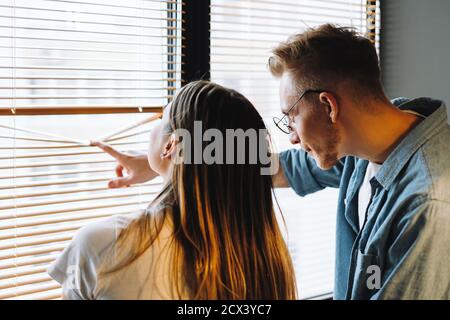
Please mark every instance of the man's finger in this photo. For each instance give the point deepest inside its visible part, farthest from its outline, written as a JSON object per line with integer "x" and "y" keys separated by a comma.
{"x": 108, "y": 149}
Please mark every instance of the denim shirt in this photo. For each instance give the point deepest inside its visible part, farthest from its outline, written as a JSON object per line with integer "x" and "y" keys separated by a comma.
{"x": 403, "y": 249}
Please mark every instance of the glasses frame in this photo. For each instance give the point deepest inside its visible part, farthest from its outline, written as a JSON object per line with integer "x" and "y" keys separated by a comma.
{"x": 280, "y": 122}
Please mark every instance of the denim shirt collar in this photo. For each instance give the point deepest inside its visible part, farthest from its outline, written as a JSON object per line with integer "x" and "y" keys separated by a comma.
{"x": 436, "y": 118}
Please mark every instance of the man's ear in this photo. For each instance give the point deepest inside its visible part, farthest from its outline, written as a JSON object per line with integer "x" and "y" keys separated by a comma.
{"x": 170, "y": 147}
{"x": 333, "y": 108}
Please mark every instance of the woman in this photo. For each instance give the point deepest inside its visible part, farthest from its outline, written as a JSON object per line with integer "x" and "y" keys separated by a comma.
{"x": 211, "y": 233}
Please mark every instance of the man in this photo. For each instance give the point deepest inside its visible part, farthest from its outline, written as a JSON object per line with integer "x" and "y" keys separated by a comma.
{"x": 390, "y": 160}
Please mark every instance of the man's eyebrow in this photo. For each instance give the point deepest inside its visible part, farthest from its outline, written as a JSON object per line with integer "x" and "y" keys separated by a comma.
{"x": 285, "y": 112}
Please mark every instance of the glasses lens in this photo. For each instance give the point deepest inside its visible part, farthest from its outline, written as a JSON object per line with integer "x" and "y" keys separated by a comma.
{"x": 282, "y": 124}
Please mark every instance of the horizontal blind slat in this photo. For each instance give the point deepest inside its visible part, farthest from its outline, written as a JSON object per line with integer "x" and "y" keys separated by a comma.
{"x": 49, "y": 294}
{"x": 34, "y": 251}
{"x": 57, "y": 181}
{"x": 356, "y": 3}
{"x": 62, "y": 163}
{"x": 92, "y": 50}
{"x": 41, "y": 87}
{"x": 23, "y": 282}
{"x": 65, "y": 31}
{"x": 16, "y": 7}
{"x": 83, "y": 69}
{"x": 27, "y": 261}
{"x": 27, "y": 271}
{"x": 98, "y": 4}
{"x": 22, "y": 292}
{"x": 70, "y": 200}
{"x": 62, "y": 146}
{"x": 58, "y": 211}
{"x": 36, "y": 242}
{"x": 64, "y": 191}
{"x": 92, "y": 41}
{"x": 89, "y": 22}
{"x": 254, "y": 7}
{"x": 18, "y": 233}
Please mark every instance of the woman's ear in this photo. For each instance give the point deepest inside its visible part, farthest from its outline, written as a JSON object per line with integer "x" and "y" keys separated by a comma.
{"x": 333, "y": 108}
{"x": 169, "y": 147}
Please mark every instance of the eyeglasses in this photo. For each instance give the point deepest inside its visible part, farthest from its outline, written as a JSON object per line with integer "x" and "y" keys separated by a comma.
{"x": 283, "y": 123}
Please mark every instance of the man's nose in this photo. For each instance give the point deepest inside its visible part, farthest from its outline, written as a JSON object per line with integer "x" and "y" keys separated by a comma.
{"x": 293, "y": 138}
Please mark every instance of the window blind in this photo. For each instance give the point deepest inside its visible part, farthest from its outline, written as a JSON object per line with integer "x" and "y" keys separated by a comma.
{"x": 71, "y": 71}
{"x": 243, "y": 32}
{"x": 88, "y": 53}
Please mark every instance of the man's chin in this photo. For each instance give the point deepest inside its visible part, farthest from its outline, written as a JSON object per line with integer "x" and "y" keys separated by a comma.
{"x": 325, "y": 167}
{"x": 325, "y": 164}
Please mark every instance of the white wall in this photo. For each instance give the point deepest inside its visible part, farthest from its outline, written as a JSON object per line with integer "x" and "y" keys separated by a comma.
{"x": 415, "y": 48}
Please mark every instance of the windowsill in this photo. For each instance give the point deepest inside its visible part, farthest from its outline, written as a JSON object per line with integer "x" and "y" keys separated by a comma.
{"x": 325, "y": 296}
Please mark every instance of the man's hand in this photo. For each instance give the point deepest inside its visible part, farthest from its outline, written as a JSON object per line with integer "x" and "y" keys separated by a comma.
{"x": 136, "y": 166}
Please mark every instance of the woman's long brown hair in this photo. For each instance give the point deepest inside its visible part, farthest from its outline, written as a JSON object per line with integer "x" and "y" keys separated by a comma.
{"x": 228, "y": 244}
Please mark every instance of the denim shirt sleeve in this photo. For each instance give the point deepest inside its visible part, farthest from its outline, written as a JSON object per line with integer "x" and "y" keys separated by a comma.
{"x": 417, "y": 261}
{"x": 303, "y": 174}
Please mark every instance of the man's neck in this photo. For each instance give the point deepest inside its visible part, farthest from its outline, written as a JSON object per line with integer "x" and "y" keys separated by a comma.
{"x": 378, "y": 133}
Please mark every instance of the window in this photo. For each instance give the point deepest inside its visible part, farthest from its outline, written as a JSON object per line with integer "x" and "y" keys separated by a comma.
{"x": 242, "y": 34}
{"x": 75, "y": 70}
{"x": 71, "y": 71}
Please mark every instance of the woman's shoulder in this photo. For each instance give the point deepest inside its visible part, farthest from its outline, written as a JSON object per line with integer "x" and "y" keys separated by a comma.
{"x": 96, "y": 238}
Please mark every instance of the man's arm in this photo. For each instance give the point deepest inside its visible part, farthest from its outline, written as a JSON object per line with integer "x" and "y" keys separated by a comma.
{"x": 299, "y": 171}
{"x": 279, "y": 179}
{"x": 417, "y": 261}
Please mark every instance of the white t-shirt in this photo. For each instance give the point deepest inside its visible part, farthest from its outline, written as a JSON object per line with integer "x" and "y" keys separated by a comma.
{"x": 77, "y": 268}
{"x": 365, "y": 191}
